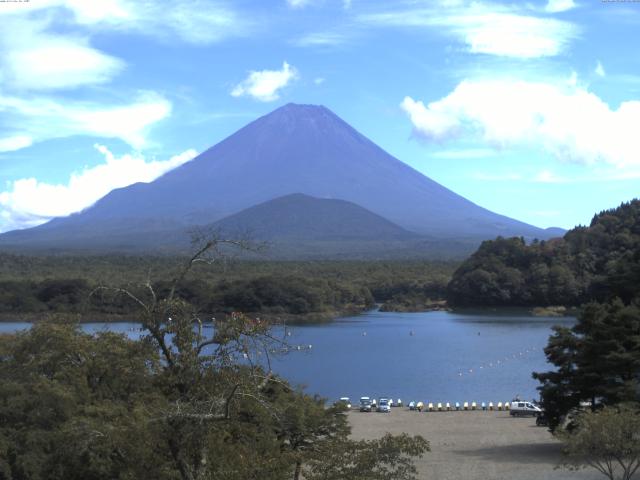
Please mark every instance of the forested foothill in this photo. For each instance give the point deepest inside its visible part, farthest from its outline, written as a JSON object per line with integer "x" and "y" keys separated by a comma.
{"x": 33, "y": 286}
{"x": 595, "y": 263}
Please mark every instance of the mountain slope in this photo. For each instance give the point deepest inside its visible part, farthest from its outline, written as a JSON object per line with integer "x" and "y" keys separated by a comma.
{"x": 295, "y": 149}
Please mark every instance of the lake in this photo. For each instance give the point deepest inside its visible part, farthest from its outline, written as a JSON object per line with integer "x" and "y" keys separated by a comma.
{"x": 430, "y": 356}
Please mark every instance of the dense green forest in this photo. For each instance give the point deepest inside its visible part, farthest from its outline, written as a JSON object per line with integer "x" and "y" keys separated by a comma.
{"x": 598, "y": 262}
{"x": 32, "y": 286}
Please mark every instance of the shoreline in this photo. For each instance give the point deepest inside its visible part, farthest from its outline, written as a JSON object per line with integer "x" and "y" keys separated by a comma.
{"x": 313, "y": 318}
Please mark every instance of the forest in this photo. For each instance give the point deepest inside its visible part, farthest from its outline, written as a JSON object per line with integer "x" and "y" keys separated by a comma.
{"x": 33, "y": 286}
{"x": 595, "y": 263}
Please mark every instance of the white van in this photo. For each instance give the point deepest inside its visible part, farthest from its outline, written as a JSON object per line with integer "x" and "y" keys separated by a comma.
{"x": 520, "y": 408}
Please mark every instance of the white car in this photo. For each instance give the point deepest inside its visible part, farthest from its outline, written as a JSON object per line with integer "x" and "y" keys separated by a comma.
{"x": 522, "y": 409}
{"x": 384, "y": 405}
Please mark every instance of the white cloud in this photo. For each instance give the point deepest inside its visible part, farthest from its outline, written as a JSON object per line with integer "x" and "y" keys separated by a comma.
{"x": 431, "y": 122}
{"x": 32, "y": 59}
{"x": 319, "y": 80}
{"x": 37, "y": 119}
{"x": 193, "y": 21}
{"x": 600, "y": 69}
{"x": 568, "y": 121}
{"x": 485, "y": 28}
{"x": 15, "y": 142}
{"x": 555, "y": 6}
{"x": 264, "y": 85}
{"x": 514, "y": 35}
{"x": 28, "y": 202}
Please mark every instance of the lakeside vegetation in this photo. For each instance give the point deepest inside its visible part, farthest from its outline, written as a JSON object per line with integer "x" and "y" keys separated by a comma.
{"x": 33, "y": 286}
{"x": 595, "y": 263}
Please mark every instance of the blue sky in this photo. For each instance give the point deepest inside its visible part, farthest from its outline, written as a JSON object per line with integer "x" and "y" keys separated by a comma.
{"x": 530, "y": 109}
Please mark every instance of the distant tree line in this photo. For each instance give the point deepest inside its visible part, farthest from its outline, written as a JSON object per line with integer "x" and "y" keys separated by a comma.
{"x": 270, "y": 295}
{"x": 317, "y": 290}
{"x": 598, "y": 262}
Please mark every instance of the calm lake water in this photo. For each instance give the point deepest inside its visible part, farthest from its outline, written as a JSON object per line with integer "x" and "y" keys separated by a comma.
{"x": 432, "y": 356}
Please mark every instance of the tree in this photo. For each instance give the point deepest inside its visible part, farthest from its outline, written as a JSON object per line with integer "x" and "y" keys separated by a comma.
{"x": 607, "y": 440}
{"x": 598, "y": 360}
{"x": 381, "y": 459}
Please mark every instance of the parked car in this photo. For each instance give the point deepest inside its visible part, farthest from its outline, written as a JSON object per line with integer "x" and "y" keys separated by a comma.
{"x": 365, "y": 404}
{"x": 384, "y": 405}
{"x": 346, "y": 401}
{"x": 522, "y": 409}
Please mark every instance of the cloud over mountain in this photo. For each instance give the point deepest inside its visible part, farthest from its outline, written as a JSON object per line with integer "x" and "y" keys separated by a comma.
{"x": 569, "y": 121}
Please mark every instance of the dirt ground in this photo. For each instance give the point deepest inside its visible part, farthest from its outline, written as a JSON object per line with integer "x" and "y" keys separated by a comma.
{"x": 474, "y": 445}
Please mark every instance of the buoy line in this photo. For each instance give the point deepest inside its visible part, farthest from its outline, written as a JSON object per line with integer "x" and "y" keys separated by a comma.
{"x": 497, "y": 363}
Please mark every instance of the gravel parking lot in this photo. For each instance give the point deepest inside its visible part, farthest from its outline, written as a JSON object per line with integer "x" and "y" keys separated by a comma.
{"x": 474, "y": 444}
